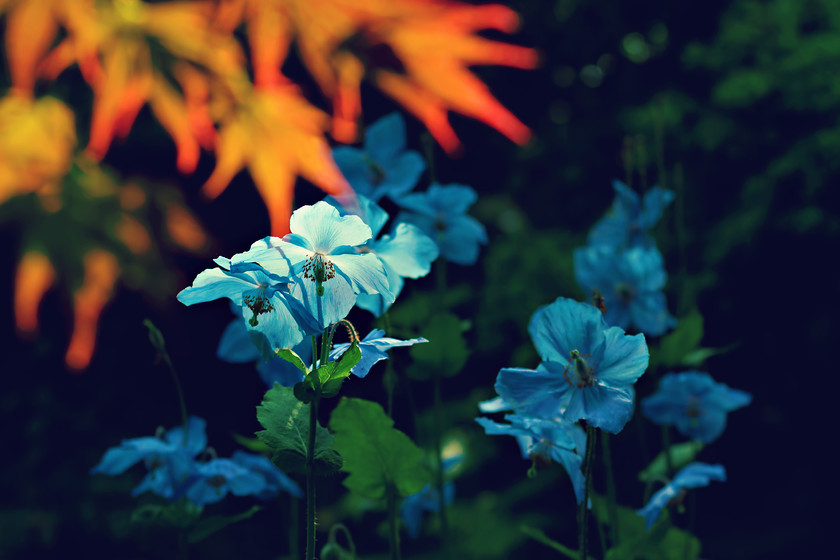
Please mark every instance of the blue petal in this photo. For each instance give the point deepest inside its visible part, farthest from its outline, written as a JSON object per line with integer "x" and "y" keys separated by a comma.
{"x": 326, "y": 230}
{"x": 695, "y": 475}
{"x": 117, "y": 460}
{"x": 235, "y": 346}
{"x": 494, "y": 405}
{"x": 655, "y": 201}
{"x": 355, "y": 166}
{"x": 602, "y": 406}
{"x": 409, "y": 251}
{"x": 385, "y": 138}
{"x": 625, "y": 357}
{"x": 276, "y": 480}
{"x": 532, "y": 392}
{"x": 196, "y": 435}
{"x": 337, "y": 301}
{"x": 364, "y": 271}
{"x": 215, "y": 283}
{"x": 567, "y": 325}
{"x": 401, "y": 175}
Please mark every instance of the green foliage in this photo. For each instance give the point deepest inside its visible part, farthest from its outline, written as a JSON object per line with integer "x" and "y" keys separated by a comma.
{"x": 675, "y": 346}
{"x": 155, "y": 336}
{"x": 286, "y": 423}
{"x": 540, "y": 536}
{"x": 375, "y": 453}
{"x": 681, "y": 455}
{"x": 290, "y": 356}
{"x": 180, "y": 514}
{"x": 209, "y": 525}
{"x": 662, "y": 542}
{"x": 325, "y": 381}
{"x": 445, "y": 354}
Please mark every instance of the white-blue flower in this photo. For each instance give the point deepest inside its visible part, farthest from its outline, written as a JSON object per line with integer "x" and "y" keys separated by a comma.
{"x": 693, "y": 475}
{"x": 321, "y": 251}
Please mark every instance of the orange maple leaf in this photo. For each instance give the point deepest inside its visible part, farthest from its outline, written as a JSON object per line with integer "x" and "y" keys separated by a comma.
{"x": 416, "y": 51}
{"x": 113, "y": 47}
{"x": 278, "y": 135}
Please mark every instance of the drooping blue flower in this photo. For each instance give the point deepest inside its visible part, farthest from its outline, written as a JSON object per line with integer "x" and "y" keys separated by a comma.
{"x": 218, "y": 477}
{"x": 374, "y": 348}
{"x": 239, "y": 345}
{"x": 588, "y": 368}
{"x": 548, "y": 439}
{"x": 694, "y": 403}
{"x": 169, "y": 458}
{"x": 441, "y": 212}
{"x": 383, "y": 167}
{"x": 428, "y": 499}
{"x": 631, "y": 282}
{"x": 406, "y": 252}
{"x": 630, "y": 218}
{"x": 693, "y": 475}
{"x": 275, "y": 479}
{"x": 321, "y": 251}
{"x": 267, "y": 306}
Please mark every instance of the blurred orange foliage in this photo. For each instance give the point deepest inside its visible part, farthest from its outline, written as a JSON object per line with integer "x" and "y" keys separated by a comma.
{"x": 183, "y": 60}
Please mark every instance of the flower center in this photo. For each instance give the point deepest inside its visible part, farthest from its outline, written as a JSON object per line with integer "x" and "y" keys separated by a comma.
{"x": 625, "y": 292}
{"x": 319, "y": 269}
{"x": 692, "y": 409}
{"x": 375, "y": 173}
{"x": 579, "y": 373}
{"x": 216, "y": 481}
{"x": 258, "y": 303}
{"x": 440, "y": 223}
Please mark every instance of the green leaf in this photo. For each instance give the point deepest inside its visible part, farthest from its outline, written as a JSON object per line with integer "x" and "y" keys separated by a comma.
{"x": 681, "y": 455}
{"x": 286, "y": 423}
{"x": 290, "y": 356}
{"x": 679, "y": 343}
{"x": 254, "y": 444}
{"x": 700, "y": 355}
{"x": 540, "y": 536}
{"x": 662, "y": 542}
{"x": 181, "y": 514}
{"x": 445, "y": 354}
{"x": 206, "y": 527}
{"x": 333, "y": 373}
{"x": 375, "y": 453}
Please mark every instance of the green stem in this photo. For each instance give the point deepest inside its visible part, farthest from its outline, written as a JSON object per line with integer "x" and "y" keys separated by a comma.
{"x": 444, "y": 523}
{"x": 666, "y": 446}
{"x": 390, "y": 379}
{"x": 591, "y": 435}
{"x": 611, "y": 499}
{"x": 314, "y": 351}
{"x": 294, "y": 528}
{"x": 310, "y": 481}
{"x": 393, "y": 527}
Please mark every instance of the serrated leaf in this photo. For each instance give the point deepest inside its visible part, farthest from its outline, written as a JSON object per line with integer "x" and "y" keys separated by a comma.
{"x": 375, "y": 453}
{"x": 681, "y": 455}
{"x": 290, "y": 356}
{"x": 679, "y": 343}
{"x": 207, "y": 526}
{"x": 286, "y": 423}
{"x": 446, "y": 353}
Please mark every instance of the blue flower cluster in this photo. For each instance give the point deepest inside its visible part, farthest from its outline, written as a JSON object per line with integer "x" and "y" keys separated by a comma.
{"x": 621, "y": 262}
{"x": 176, "y": 468}
{"x": 284, "y": 290}
{"x": 587, "y": 373}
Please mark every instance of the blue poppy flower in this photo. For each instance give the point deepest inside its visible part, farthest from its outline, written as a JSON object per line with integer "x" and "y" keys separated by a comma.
{"x": 239, "y": 345}
{"x": 693, "y": 475}
{"x": 266, "y": 304}
{"x": 383, "y": 167}
{"x": 406, "y": 252}
{"x": 169, "y": 458}
{"x": 694, "y": 403}
{"x": 630, "y": 218}
{"x": 587, "y": 372}
{"x": 374, "y": 348}
{"x": 547, "y": 439}
{"x": 441, "y": 212}
{"x": 218, "y": 477}
{"x": 275, "y": 479}
{"x": 428, "y": 499}
{"x": 320, "y": 253}
{"x": 631, "y": 282}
